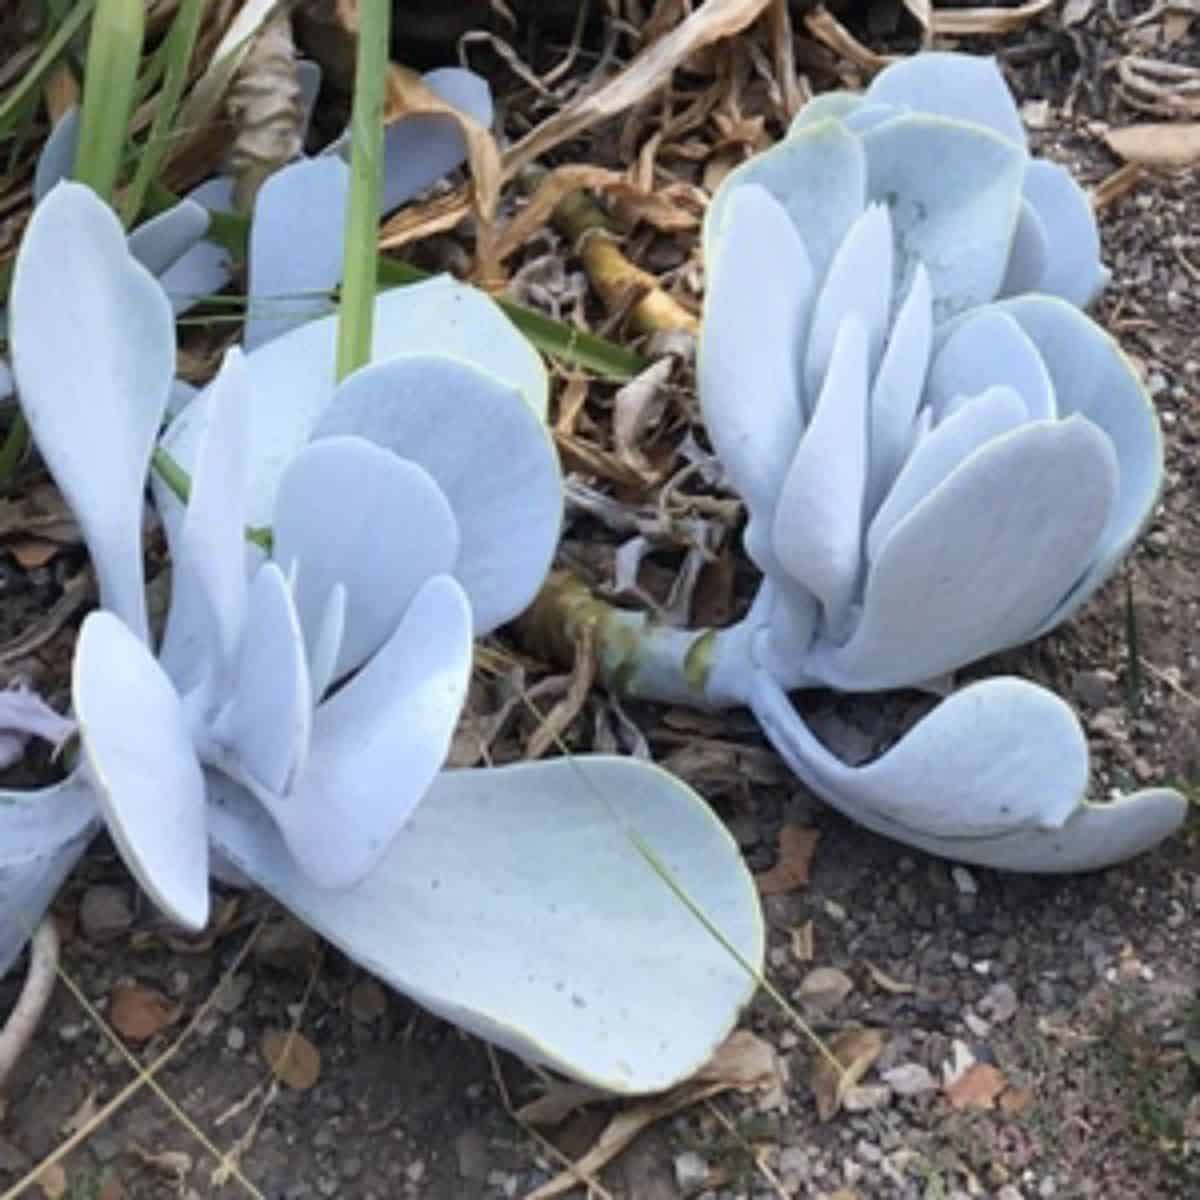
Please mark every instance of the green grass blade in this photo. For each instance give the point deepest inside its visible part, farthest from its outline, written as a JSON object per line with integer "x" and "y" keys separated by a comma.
{"x": 56, "y": 45}
{"x": 357, "y": 309}
{"x": 179, "y": 45}
{"x": 110, "y": 79}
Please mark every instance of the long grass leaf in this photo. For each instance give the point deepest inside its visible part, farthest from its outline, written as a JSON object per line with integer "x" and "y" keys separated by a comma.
{"x": 56, "y": 45}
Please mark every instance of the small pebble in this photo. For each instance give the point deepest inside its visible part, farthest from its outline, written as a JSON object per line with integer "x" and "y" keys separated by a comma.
{"x": 105, "y": 913}
{"x": 964, "y": 881}
{"x": 235, "y": 1039}
{"x": 690, "y": 1171}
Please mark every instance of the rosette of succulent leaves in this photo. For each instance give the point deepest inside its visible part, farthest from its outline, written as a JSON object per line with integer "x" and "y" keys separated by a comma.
{"x": 294, "y": 720}
{"x": 940, "y": 457}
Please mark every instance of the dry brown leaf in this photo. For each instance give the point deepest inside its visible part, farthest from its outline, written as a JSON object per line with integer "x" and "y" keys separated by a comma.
{"x": 52, "y": 1180}
{"x": 743, "y": 1062}
{"x": 1112, "y": 187}
{"x": 829, "y": 31}
{"x": 856, "y": 1050}
{"x": 554, "y": 724}
{"x": 638, "y": 406}
{"x": 1014, "y": 1101}
{"x": 559, "y": 1101}
{"x": 1176, "y": 26}
{"x": 1159, "y": 144}
{"x": 882, "y": 980}
{"x": 824, "y": 988}
{"x": 293, "y": 1058}
{"x": 796, "y": 846}
{"x": 977, "y": 1087}
{"x": 170, "y": 1162}
{"x": 138, "y": 1013}
{"x": 963, "y": 22}
{"x": 650, "y": 70}
{"x": 33, "y": 552}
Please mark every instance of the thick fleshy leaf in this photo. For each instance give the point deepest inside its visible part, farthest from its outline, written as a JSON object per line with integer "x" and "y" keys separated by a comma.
{"x": 161, "y": 241}
{"x": 292, "y": 376}
{"x": 818, "y": 175}
{"x": 528, "y": 874}
{"x": 207, "y": 267}
{"x": 986, "y": 349}
{"x": 420, "y": 149}
{"x": 859, "y": 281}
{"x": 995, "y": 775}
{"x": 898, "y": 388}
{"x": 1073, "y": 267}
{"x": 487, "y": 451}
{"x": 139, "y": 758}
{"x": 264, "y": 732}
{"x": 208, "y": 588}
{"x": 57, "y": 159}
{"x": 1092, "y": 377}
{"x": 749, "y": 354}
{"x": 43, "y": 834}
{"x": 836, "y": 105}
{"x": 977, "y": 565}
{"x": 296, "y": 246}
{"x": 1029, "y": 255}
{"x": 93, "y": 355}
{"x": 963, "y": 87}
{"x": 955, "y": 194}
{"x": 989, "y": 415}
{"x": 819, "y": 520}
{"x": 398, "y": 533}
{"x": 378, "y": 743}
{"x": 327, "y": 645}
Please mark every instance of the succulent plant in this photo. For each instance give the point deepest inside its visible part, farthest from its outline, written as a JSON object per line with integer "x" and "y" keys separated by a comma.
{"x": 295, "y": 719}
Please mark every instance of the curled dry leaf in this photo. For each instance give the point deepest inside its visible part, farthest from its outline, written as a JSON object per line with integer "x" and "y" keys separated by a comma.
{"x": 855, "y": 1050}
{"x": 292, "y": 1057}
{"x": 1157, "y": 144}
{"x": 824, "y": 988}
{"x": 137, "y": 1013}
{"x": 743, "y": 1062}
{"x": 882, "y": 980}
{"x": 977, "y": 1087}
{"x": 796, "y": 846}
{"x": 964, "y": 22}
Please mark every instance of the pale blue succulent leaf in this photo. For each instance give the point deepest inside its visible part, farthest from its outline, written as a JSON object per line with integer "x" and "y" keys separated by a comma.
{"x": 139, "y": 758}
{"x": 265, "y": 730}
{"x": 819, "y": 518}
{"x": 954, "y": 192}
{"x": 207, "y": 267}
{"x": 838, "y": 106}
{"x": 207, "y": 612}
{"x": 292, "y": 377}
{"x": 308, "y": 78}
{"x": 859, "y": 281}
{"x": 378, "y": 743}
{"x": 1073, "y": 268}
{"x": 354, "y": 513}
{"x": 962, "y": 87}
{"x": 327, "y": 645}
{"x": 1029, "y": 255}
{"x": 988, "y": 348}
{"x": 819, "y": 177}
{"x": 1092, "y": 377}
{"x": 528, "y": 874}
{"x": 898, "y": 387}
{"x": 93, "y": 355}
{"x": 978, "y": 564}
{"x": 57, "y": 159}
{"x": 164, "y": 239}
{"x": 995, "y": 776}
{"x": 749, "y": 355}
{"x": 987, "y": 415}
{"x": 296, "y": 246}
{"x": 489, "y": 453}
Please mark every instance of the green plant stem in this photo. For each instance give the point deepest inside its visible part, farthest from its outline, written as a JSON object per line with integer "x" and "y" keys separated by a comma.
{"x": 51, "y": 52}
{"x": 110, "y": 80}
{"x": 179, "y": 45}
{"x": 357, "y": 310}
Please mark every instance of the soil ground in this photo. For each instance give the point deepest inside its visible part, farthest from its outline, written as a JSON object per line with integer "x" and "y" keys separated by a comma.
{"x": 1080, "y": 992}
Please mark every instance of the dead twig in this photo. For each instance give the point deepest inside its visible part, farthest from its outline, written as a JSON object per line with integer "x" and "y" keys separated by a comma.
{"x": 23, "y": 1021}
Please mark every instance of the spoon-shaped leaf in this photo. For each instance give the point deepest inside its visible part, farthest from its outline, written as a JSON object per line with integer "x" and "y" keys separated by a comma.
{"x": 163, "y": 240}
{"x": 399, "y": 532}
{"x": 93, "y": 356}
{"x": 488, "y": 452}
{"x": 378, "y": 743}
{"x": 527, "y": 874}
{"x": 1074, "y": 270}
{"x": 995, "y": 775}
{"x": 139, "y": 758}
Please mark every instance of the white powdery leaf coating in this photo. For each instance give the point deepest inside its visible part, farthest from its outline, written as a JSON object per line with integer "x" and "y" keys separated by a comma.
{"x": 140, "y": 761}
{"x": 93, "y": 356}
